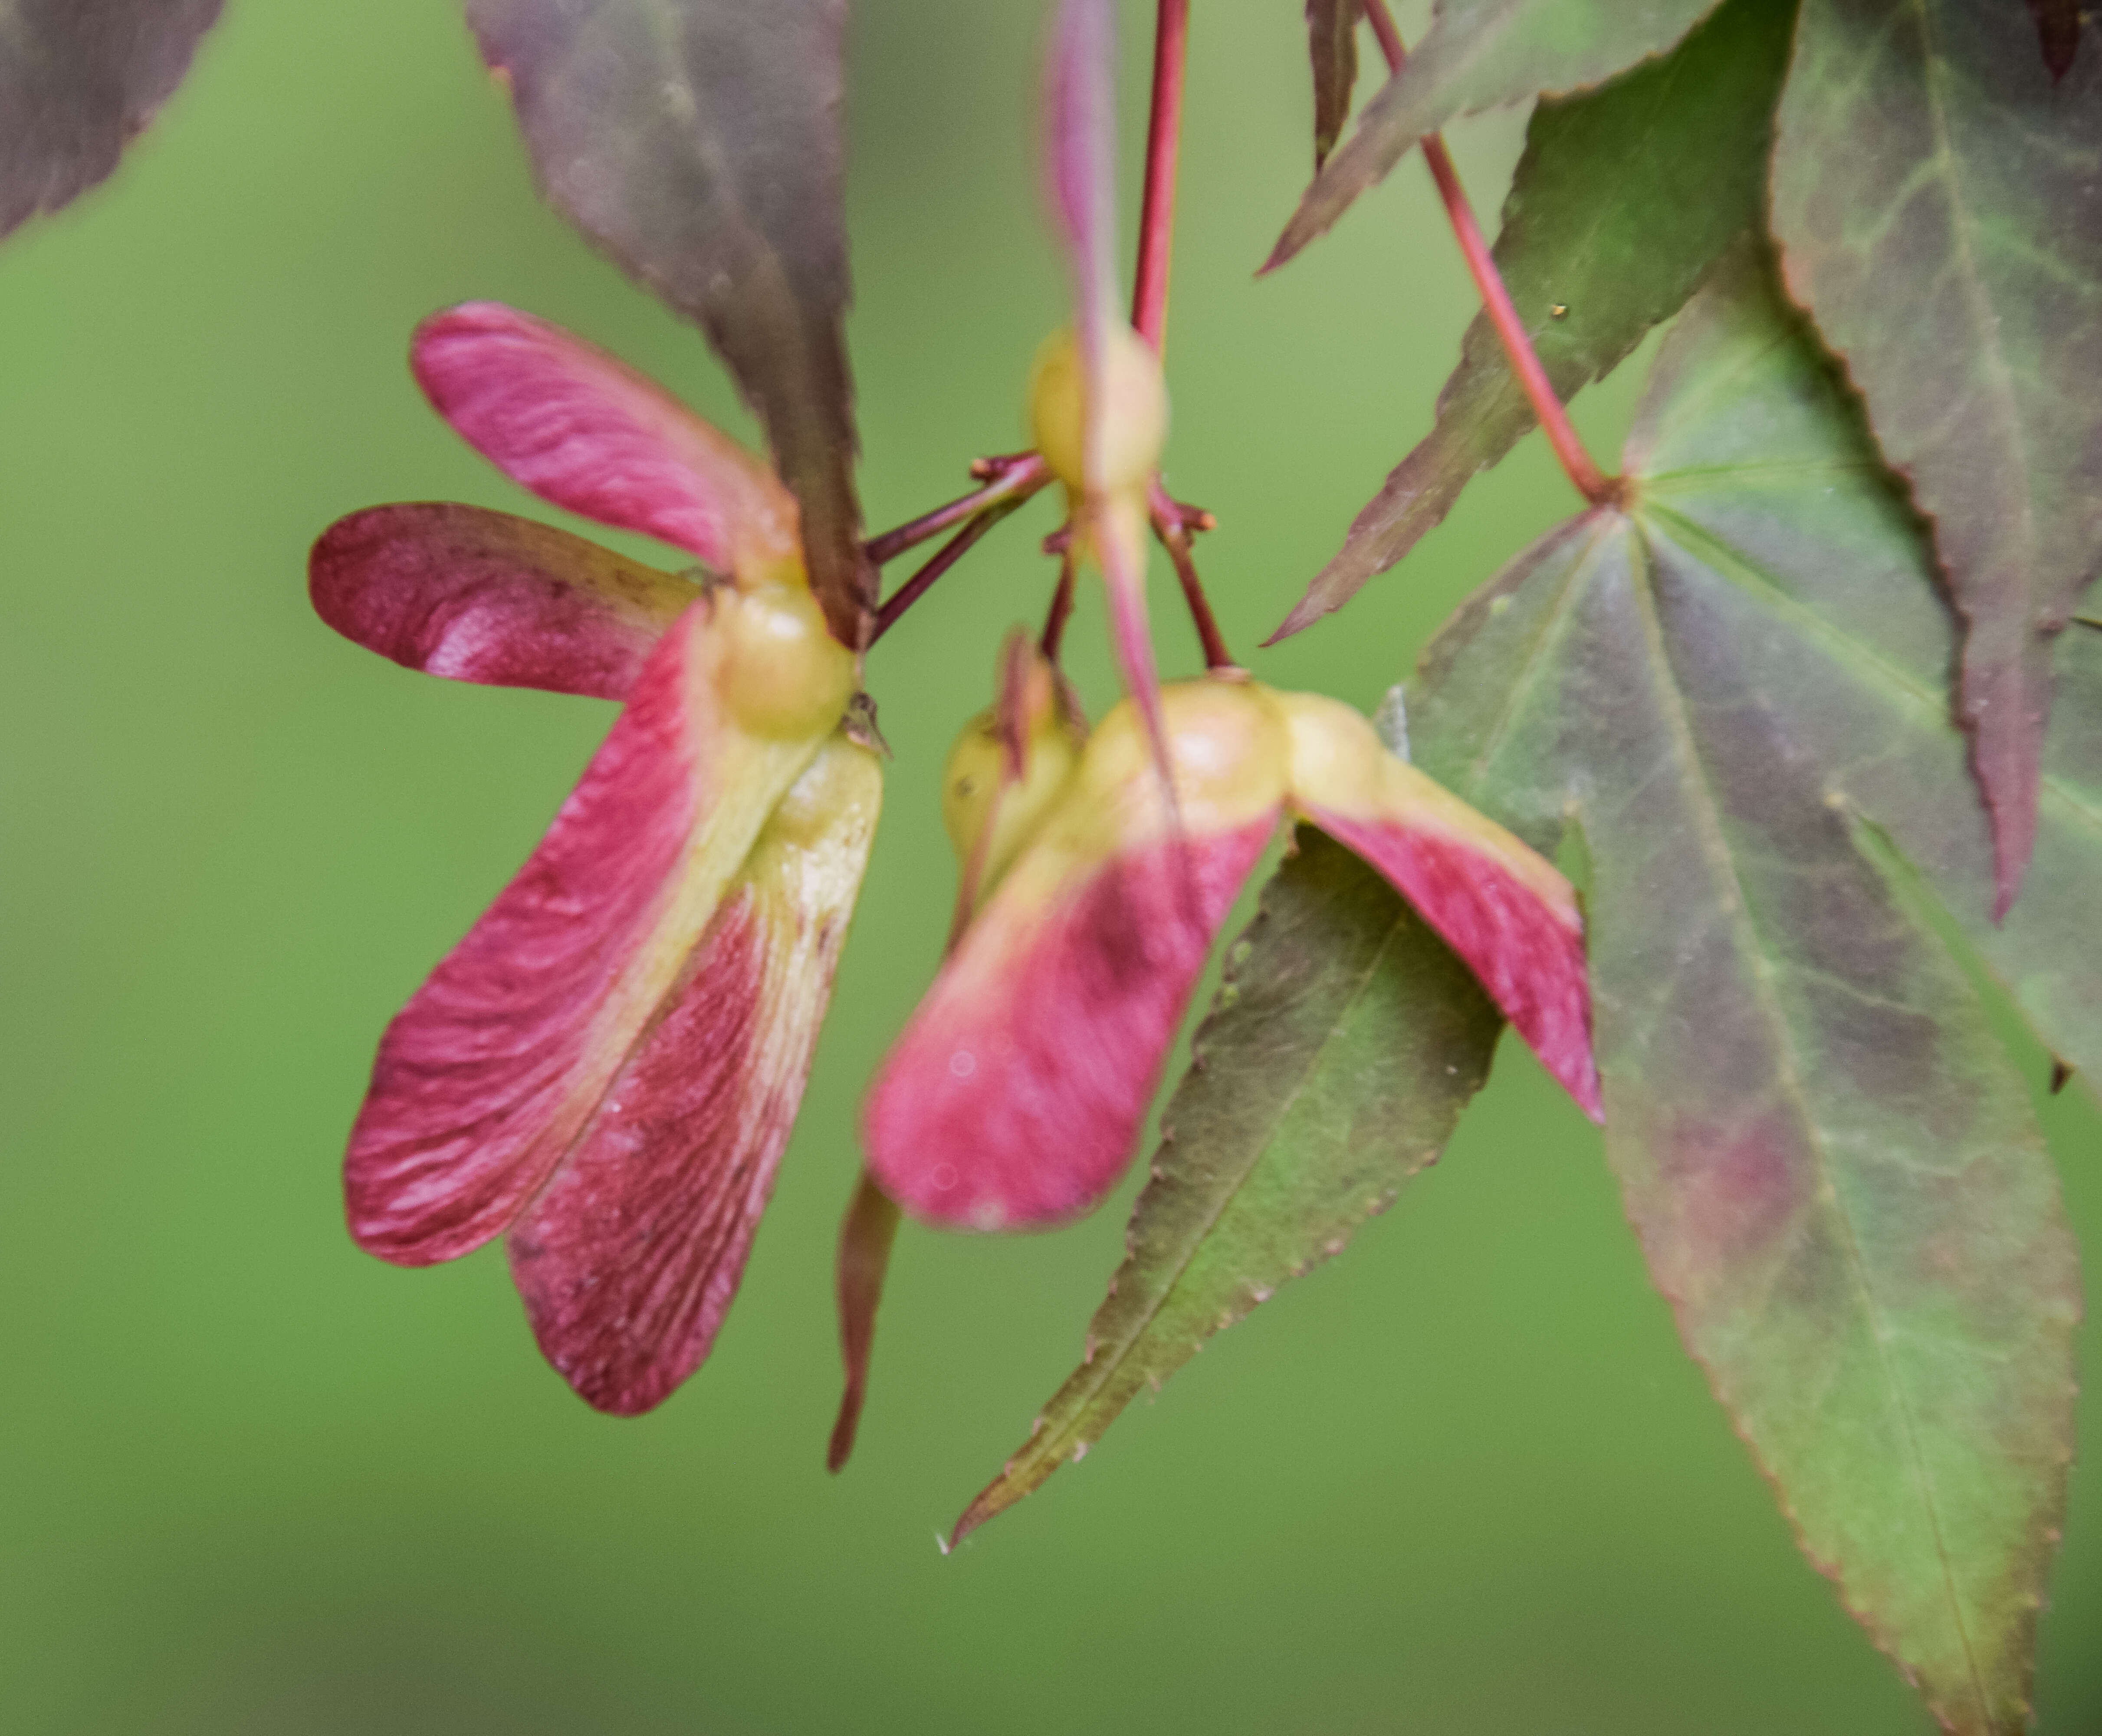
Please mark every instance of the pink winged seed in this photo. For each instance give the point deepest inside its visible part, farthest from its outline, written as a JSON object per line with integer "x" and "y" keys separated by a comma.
{"x": 1079, "y": 101}
{"x": 1528, "y": 954}
{"x": 1015, "y": 1096}
{"x": 630, "y": 1259}
{"x": 1496, "y": 902}
{"x": 477, "y": 596}
{"x": 469, "y": 1108}
{"x": 588, "y": 434}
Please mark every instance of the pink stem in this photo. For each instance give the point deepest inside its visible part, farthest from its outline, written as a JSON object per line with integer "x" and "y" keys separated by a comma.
{"x": 1591, "y": 482}
{"x": 1156, "y": 222}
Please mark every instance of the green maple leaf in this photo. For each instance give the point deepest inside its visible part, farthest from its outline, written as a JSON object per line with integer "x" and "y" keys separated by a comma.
{"x": 1938, "y": 200}
{"x": 1735, "y": 691}
{"x": 1481, "y": 55}
{"x": 1624, "y": 200}
{"x": 1344, "y": 1044}
{"x": 1732, "y": 689}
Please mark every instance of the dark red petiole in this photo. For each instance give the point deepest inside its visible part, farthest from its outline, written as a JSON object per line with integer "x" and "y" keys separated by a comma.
{"x": 945, "y": 558}
{"x": 1172, "y": 523}
{"x": 1591, "y": 482}
{"x": 1061, "y": 601}
{"x": 1016, "y": 476}
{"x": 1176, "y": 540}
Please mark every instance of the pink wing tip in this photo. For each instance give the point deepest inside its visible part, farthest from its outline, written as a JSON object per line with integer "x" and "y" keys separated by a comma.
{"x": 1080, "y": 75}
{"x": 475, "y": 596}
{"x": 629, "y": 1257}
{"x": 586, "y": 433}
{"x": 1527, "y": 953}
{"x": 1577, "y": 1072}
{"x": 380, "y": 1233}
{"x": 470, "y": 320}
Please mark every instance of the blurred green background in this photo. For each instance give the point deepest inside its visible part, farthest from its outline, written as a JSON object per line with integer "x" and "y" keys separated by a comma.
{"x": 1462, "y": 1479}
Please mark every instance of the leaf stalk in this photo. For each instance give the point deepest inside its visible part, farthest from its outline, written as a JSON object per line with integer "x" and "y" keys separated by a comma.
{"x": 946, "y": 556}
{"x": 1172, "y": 523}
{"x": 1062, "y": 604}
{"x": 1591, "y": 482}
{"x": 1015, "y": 474}
{"x": 1164, "y": 133}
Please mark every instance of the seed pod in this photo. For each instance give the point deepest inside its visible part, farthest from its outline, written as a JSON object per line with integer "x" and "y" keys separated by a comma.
{"x": 1007, "y": 766}
{"x": 1129, "y": 432}
{"x": 1015, "y": 1097}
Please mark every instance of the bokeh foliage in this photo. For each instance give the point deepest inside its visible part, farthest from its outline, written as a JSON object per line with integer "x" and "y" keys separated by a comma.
{"x": 1463, "y": 1480}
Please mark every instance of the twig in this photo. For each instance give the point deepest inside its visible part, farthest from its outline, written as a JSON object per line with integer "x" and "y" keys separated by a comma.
{"x": 945, "y": 558}
{"x": 1021, "y": 474}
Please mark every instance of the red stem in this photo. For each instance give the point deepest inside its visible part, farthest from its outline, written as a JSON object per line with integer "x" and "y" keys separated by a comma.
{"x": 1022, "y": 474}
{"x": 1177, "y": 541}
{"x": 1062, "y": 609}
{"x": 1149, "y": 298}
{"x": 945, "y": 558}
{"x": 1591, "y": 482}
{"x": 1156, "y": 221}
{"x": 1173, "y": 522}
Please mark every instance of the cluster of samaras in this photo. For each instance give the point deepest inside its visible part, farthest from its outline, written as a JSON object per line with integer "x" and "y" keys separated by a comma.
{"x": 606, "y": 1069}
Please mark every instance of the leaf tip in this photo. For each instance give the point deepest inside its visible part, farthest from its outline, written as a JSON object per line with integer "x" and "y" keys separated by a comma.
{"x": 1304, "y": 613}
{"x": 839, "y": 1448}
{"x": 971, "y": 1518}
{"x": 1281, "y": 254}
{"x": 2006, "y": 727}
{"x": 866, "y": 1236}
{"x": 2014, "y": 840}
